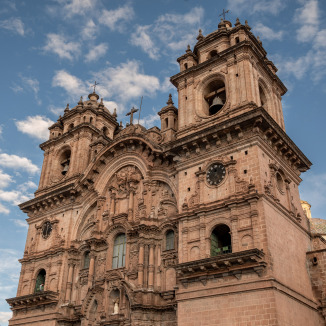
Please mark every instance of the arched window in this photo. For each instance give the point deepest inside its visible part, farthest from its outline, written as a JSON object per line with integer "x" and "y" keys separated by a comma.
{"x": 86, "y": 259}
{"x": 119, "y": 251}
{"x": 166, "y": 123}
{"x": 169, "y": 240}
{"x": 221, "y": 240}
{"x": 40, "y": 281}
{"x": 91, "y": 119}
{"x": 70, "y": 126}
{"x": 237, "y": 40}
{"x": 186, "y": 66}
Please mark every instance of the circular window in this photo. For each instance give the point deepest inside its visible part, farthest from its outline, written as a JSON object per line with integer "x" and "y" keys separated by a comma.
{"x": 46, "y": 229}
{"x": 279, "y": 182}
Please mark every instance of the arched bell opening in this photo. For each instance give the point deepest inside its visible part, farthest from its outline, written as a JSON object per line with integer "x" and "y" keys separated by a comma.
{"x": 212, "y": 54}
{"x": 221, "y": 240}
{"x": 65, "y": 161}
{"x": 40, "y": 281}
{"x": 214, "y": 97}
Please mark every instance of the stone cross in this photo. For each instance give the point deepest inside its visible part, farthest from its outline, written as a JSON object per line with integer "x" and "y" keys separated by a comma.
{"x": 223, "y": 13}
{"x": 131, "y": 113}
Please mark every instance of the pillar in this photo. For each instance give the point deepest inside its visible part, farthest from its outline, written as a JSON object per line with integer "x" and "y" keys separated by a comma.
{"x": 151, "y": 267}
{"x": 158, "y": 264}
{"x": 91, "y": 270}
{"x": 141, "y": 265}
{"x": 69, "y": 282}
{"x": 130, "y": 206}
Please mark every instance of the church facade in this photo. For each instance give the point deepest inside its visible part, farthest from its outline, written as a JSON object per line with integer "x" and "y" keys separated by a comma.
{"x": 196, "y": 223}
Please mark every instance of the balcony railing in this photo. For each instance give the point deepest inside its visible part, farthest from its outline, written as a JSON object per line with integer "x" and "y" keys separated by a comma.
{"x": 221, "y": 251}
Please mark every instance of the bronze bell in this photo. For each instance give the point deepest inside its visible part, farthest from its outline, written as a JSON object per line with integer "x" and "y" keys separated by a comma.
{"x": 65, "y": 167}
{"x": 216, "y": 106}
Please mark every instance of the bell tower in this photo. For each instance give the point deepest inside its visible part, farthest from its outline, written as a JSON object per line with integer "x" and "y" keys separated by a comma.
{"x": 226, "y": 74}
{"x": 74, "y": 140}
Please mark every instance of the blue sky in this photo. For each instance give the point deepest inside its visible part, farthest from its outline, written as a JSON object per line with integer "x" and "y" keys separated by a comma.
{"x": 52, "y": 51}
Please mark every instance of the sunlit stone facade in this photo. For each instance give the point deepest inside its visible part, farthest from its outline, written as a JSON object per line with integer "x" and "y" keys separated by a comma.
{"x": 196, "y": 223}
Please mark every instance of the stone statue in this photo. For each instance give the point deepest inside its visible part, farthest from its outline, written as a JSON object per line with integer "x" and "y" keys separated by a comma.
{"x": 116, "y": 307}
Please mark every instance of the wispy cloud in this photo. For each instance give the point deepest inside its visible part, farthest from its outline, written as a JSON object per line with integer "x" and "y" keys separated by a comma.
{"x": 28, "y": 84}
{"x": 256, "y": 6}
{"x": 56, "y": 110}
{"x": 141, "y": 37}
{"x": 89, "y": 30}
{"x": 121, "y": 84}
{"x": 169, "y": 32}
{"x": 307, "y": 18}
{"x": 78, "y": 7}
{"x": 150, "y": 120}
{"x": 14, "y": 25}
{"x": 266, "y": 33}
{"x": 18, "y": 163}
{"x": 57, "y": 44}
{"x": 96, "y": 52}
{"x": 116, "y": 19}
{"x": 4, "y": 210}
{"x": 36, "y": 126}
{"x": 20, "y": 223}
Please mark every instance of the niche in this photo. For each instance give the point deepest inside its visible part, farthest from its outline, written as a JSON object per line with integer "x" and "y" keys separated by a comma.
{"x": 65, "y": 161}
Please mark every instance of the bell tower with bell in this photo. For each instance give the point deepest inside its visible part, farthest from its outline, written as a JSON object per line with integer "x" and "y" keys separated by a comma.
{"x": 226, "y": 74}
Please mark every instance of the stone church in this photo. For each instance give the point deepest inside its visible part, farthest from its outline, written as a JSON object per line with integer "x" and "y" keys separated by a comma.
{"x": 196, "y": 223}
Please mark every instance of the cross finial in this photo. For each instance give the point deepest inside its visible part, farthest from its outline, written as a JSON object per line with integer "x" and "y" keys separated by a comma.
{"x": 224, "y": 13}
{"x": 131, "y": 113}
{"x": 95, "y": 84}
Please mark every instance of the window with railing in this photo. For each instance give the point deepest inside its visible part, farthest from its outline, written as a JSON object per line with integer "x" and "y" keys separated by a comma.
{"x": 221, "y": 240}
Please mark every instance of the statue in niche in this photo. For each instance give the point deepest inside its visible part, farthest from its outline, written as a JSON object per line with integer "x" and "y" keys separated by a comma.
{"x": 116, "y": 307}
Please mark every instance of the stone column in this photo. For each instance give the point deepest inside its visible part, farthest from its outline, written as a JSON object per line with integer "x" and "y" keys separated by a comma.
{"x": 91, "y": 270}
{"x": 158, "y": 267}
{"x": 141, "y": 265}
{"x": 131, "y": 206}
{"x": 151, "y": 267}
{"x": 127, "y": 255}
{"x": 69, "y": 282}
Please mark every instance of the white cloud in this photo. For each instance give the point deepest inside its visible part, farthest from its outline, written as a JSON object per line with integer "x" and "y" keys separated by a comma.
{"x": 255, "y": 6}
{"x": 96, "y": 52}
{"x": 150, "y": 120}
{"x": 89, "y": 30}
{"x": 4, "y": 210}
{"x": 78, "y": 7}
{"x": 127, "y": 81}
{"x": 267, "y": 33}
{"x": 1, "y": 130}
{"x": 141, "y": 37}
{"x": 36, "y": 126}
{"x": 14, "y": 196}
{"x": 73, "y": 85}
{"x": 5, "y": 316}
{"x": 18, "y": 162}
{"x": 308, "y": 19}
{"x": 111, "y": 105}
{"x": 20, "y": 223}
{"x": 56, "y": 110}
{"x": 5, "y": 179}
{"x": 57, "y": 44}
{"x": 169, "y": 32}
{"x": 27, "y": 185}
{"x": 115, "y": 19}
{"x": 14, "y": 25}
{"x": 320, "y": 40}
